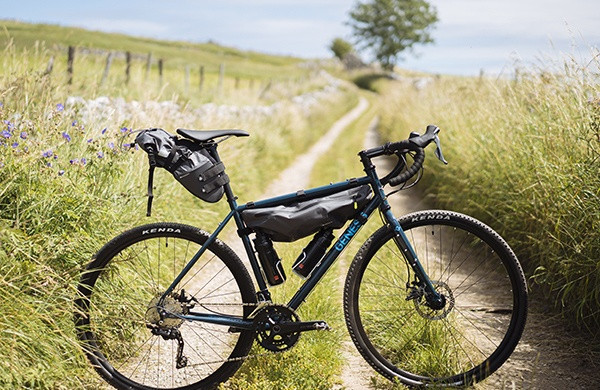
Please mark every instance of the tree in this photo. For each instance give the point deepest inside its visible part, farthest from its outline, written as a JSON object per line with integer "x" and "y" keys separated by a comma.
{"x": 340, "y": 48}
{"x": 389, "y": 27}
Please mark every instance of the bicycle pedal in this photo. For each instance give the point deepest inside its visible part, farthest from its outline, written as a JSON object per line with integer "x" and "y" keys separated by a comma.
{"x": 322, "y": 326}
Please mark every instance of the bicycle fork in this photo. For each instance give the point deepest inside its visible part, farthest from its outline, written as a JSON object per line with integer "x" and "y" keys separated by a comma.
{"x": 434, "y": 299}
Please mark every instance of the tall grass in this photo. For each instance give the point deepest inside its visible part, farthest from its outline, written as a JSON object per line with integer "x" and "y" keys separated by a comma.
{"x": 525, "y": 158}
{"x": 67, "y": 186}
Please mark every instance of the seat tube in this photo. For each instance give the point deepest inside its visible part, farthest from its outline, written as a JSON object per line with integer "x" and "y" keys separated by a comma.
{"x": 263, "y": 291}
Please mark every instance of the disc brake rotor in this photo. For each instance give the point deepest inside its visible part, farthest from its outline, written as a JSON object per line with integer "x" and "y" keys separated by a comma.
{"x": 431, "y": 314}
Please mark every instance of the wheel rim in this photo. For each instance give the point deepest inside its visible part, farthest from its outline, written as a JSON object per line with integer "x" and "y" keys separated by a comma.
{"x": 457, "y": 343}
{"x": 121, "y": 308}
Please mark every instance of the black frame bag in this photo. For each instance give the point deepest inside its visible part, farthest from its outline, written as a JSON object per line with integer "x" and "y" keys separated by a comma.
{"x": 301, "y": 219}
{"x": 191, "y": 164}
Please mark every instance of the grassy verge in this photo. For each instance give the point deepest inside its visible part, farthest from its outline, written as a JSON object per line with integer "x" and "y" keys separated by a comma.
{"x": 524, "y": 157}
{"x": 67, "y": 186}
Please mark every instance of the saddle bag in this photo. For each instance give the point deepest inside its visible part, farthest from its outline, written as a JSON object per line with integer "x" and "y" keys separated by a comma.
{"x": 297, "y": 220}
{"x": 188, "y": 162}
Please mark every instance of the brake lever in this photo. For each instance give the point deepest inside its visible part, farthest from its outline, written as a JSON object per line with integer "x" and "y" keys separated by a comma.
{"x": 438, "y": 150}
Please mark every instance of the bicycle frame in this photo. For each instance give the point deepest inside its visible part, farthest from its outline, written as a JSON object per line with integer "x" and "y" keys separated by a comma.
{"x": 379, "y": 201}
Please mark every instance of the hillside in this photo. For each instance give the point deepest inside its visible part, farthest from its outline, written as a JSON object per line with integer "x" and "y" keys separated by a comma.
{"x": 26, "y": 36}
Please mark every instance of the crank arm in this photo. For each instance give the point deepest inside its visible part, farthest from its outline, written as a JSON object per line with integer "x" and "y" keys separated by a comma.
{"x": 301, "y": 326}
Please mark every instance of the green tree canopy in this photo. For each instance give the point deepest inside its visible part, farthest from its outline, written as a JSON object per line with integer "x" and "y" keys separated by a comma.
{"x": 340, "y": 48}
{"x": 389, "y": 27}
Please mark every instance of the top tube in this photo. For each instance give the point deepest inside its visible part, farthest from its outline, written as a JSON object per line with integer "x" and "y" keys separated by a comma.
{"x": 312, "y": 193}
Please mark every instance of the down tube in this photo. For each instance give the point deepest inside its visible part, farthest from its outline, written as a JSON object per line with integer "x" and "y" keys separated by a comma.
{"x": 333, "y": 254}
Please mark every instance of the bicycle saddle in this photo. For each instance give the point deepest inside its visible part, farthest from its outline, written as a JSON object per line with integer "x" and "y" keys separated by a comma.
{"x": 207, "y": 135}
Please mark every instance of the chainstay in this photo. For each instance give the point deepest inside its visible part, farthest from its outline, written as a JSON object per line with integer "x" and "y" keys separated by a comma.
{"x": 249, "y": 356}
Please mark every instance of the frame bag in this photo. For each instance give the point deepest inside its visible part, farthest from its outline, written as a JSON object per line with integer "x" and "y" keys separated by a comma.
{"x": 188, "y": 162}
{"x": 292, "y": 222}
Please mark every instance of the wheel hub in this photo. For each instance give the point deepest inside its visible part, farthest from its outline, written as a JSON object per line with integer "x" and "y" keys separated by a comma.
{"x": 163, "y": 316}
{"x": 441, "y": 310}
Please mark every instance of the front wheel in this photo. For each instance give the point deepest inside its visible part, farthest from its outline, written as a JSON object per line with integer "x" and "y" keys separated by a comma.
{"x": 122, "y": 326}
{"x": 463, "y": 342}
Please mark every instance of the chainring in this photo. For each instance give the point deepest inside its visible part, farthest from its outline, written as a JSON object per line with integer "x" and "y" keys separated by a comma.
{"x": 268, "y": 332}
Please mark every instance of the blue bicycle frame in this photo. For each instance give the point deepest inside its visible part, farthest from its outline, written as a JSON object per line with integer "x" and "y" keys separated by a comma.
{"x": 378, "y": 201}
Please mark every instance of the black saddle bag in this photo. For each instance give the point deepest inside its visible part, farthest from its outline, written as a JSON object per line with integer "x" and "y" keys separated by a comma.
{"x": 190, "y": 163}
{"x": 297, "y": 220}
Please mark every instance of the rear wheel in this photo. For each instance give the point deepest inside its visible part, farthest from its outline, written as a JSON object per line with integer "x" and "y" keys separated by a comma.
{"x": 484, "y": 310}
{"x": 119, "y": 320}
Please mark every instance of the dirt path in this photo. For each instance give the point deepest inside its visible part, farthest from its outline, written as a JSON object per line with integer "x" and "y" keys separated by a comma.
{"x": 356, "y": 371}
{"x": 549, "y": 355}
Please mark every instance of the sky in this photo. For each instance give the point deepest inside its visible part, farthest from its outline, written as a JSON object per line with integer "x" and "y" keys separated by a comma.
{"x": 472, "y": 35}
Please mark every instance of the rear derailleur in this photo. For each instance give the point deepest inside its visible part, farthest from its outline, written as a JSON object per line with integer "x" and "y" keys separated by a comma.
{"x": 164, "y": 320}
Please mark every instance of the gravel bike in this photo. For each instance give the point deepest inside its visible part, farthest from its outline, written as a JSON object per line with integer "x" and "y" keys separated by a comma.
{"x": 432, "y": 299}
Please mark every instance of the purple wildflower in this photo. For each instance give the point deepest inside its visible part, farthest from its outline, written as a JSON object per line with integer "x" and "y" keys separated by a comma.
{"x": 104, "y": 130}
{"x": 74, "y": 161}
{"x": 111, "y": 145}
{"x": 48, "y": 153}
{"x": 61, "y": 172}
{"x": 124, "y": 129}
{"x": 60, "y": 107}
{"x": 74, "y": 123}
{"x": 89, "y": 141}
{"x": 49, "y": 164}
{"x": 15, "y": 145}
{"x": 23, "y": 135}
{"x": 66, "y": 136}
{"x": 1, "y": 104}
{"x": 84, "y": 160}
{"x": 6, "y": 134}
{"x": 9, "y": 125}
{"x": 100, "y": 155}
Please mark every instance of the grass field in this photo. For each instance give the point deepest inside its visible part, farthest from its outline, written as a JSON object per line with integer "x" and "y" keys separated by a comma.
{"x": 524, "y": 157}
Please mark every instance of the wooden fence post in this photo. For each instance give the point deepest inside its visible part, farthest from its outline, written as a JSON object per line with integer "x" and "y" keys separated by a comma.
{"x": 201, "y": 77}
{"x": 70, "y": 58}
{"x": 148, "y": 62}
{"x": 160, "y": 71}
{"x": 127, "y": 66}
{"x": 109, "y": 59}
{"x": 221, "y": 77}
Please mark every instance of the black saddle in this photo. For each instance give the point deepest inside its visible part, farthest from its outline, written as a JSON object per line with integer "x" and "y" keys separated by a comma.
{"x": 207, "y": 135}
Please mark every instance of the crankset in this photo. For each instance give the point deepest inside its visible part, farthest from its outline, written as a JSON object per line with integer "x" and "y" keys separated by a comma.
{"x": 278, "y": 327}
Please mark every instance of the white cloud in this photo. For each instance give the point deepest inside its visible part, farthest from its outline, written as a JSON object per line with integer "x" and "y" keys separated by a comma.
{"x": 129, "y": 26}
